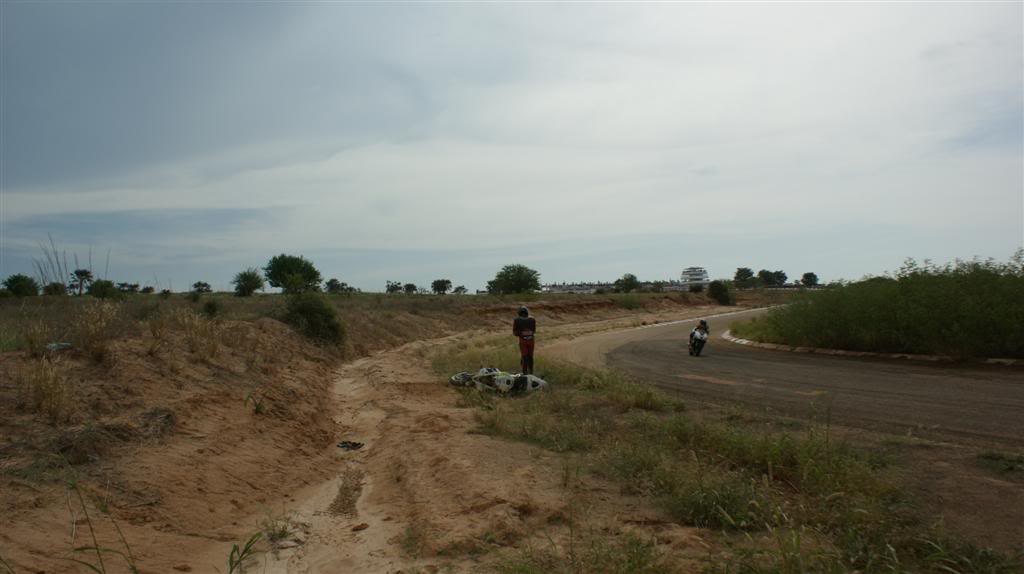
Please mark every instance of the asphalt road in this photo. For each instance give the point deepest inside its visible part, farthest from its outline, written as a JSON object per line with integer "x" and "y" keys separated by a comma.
{"x": 966, "y": 404}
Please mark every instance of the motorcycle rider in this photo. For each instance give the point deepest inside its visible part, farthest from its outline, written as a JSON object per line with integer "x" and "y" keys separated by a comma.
{"x": 701, "y": 331}
{"x": 525, "y": 327}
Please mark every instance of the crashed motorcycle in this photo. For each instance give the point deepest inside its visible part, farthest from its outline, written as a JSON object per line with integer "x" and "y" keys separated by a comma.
{"x": 498, "y": 381}
{"x": 698, "y": 339}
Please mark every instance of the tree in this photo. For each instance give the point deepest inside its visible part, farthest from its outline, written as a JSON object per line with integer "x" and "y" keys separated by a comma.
{"x": 697, "y": 288}
{"x": 128, "y": 287}
{"x": 147, "y": 290}
{"x": 21, "y": 285}
{"x": 766, "y": 277}
{"x": 55, "y": 288}
{"x": 80, "y": 280}
{"x": 809, "y": 279}
{"x": 460, "y": 290}
{"x": 201, "y": 287}
{"x": 291, "y": 273}
{"x": 514, "y": 278}
{"x": 248, "y": 282}
{"x": 627, "y": 283}
{"x": 410, "y": 288}
{"x": 719, "y": 291}
{"x": 744, "y": 277}
{"x": 780, "y": 278}
{"x": 394, "y": 287}
{"x": 441, "y": 286}
{"x": 103, "y": 289}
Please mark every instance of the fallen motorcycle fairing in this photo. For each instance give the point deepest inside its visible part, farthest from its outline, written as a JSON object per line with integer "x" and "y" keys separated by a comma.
{"x": 495, "y": 380}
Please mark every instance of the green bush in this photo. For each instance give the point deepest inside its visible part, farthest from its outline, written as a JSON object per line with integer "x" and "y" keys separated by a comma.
{"x": 248, "y": 282}
{"x": 21, "y": 285}
{"x": 293, "y": 274}
{"x": 315, "y": 318}
{"x": 212, "y": 308}
{"x": 55, "y": 289}
{"x": 719, "y": 291}
{"x": 103, "y": 289}
{"x": 964, "y": 309}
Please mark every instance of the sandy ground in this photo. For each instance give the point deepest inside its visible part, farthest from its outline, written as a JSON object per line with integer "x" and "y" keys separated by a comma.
{"x": 424, "y": 492}
{"x": 427, "y": 494}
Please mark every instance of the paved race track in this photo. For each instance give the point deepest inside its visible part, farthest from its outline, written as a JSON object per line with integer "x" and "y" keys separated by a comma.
{"x": 979, "y": 405}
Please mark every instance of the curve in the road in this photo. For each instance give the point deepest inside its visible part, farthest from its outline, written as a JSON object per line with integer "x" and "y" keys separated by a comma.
{"x": 977, "y": 404}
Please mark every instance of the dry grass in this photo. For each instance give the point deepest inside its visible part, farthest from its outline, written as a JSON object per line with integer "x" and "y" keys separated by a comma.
{"x": 43, "y": 387}
{"x": 201, "y": 334}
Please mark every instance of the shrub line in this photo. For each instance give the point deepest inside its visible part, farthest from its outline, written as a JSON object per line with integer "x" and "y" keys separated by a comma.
{"x": 844, "y": 353}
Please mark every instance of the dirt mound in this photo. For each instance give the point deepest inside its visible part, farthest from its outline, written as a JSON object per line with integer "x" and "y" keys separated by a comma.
{"x": 173, "y": 438}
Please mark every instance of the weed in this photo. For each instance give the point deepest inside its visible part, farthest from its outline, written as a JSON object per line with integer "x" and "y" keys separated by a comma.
{"x": 87, "y": 551}
{"x": 1001, "y": 462}
{"x": 43, "y": 387}
{"x": 276, "y": 529}
{"x": 201, "y": 335}
{"x": 255, "y": 397}
{"x": 414, "y": 539}
{"x": 92, "y": 328}
{"x": 238, "y": 556}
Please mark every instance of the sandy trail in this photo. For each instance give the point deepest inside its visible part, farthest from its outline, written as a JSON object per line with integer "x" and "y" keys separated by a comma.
{"x": 428, "y": 494}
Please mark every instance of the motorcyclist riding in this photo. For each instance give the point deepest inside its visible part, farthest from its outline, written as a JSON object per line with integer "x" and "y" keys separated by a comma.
{"x": 698, "y": 337}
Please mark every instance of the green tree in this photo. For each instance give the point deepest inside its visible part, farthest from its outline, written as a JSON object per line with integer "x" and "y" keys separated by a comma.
{"x": 394, "y": 287}
{"x": 514, "y": 278}
{"x": 248, "y": 282}
{"x": 767, "y": 277}
{"x": 460, "y": 290}
{"x": 809, "y": 279}
{"x": 627, "y": 283}
{"x": 103, "y": 289}
{"x": 291, "y": 273}
{"x": 148, "y": 289}
{"x": 21, "y": 285}
{"x": 719, "y": 291}
{"x": 80, "y": 280}
{"x": 744, "y": 277}
{"x": 441, "y": 286}
{"x": 410, "y": 288}
{"x": 201, "y": 287}
{"x": 128, "y": 288}
{"x": 336, "y": 287}
{"x": 55, "y": 288}
{"x": 780, "y": 278}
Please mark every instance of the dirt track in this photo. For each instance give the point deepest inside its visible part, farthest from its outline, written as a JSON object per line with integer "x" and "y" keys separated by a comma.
{"x": 975, "y": 405}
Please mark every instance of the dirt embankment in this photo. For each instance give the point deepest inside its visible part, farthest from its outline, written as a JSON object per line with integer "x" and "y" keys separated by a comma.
{"x": 161, "y": 434}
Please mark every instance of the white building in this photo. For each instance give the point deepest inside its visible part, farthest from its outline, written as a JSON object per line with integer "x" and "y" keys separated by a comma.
{"x": 694, "y": 276}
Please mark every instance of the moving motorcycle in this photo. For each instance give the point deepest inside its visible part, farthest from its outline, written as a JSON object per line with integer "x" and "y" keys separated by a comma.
{"x": 698, "y": 339}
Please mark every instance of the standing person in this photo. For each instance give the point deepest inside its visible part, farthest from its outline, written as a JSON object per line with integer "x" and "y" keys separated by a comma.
{"x": 525, "y": 327}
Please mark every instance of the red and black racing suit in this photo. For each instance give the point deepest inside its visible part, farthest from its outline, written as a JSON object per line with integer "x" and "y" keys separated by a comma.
{"x": 525, "y": 328}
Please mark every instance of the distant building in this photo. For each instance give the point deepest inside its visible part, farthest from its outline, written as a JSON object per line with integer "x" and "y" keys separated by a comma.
{"x": 694, "y": 276}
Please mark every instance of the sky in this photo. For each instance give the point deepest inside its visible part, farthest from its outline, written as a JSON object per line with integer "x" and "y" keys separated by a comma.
{"x": 412, "y": 142}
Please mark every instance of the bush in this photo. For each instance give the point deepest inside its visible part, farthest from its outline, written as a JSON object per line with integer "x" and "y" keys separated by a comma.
{"x": 248, "y": 282}
{"x": 698, "y": 288}
{"x": 103, "y": 289}
{"x": 963, "y": 309}
{"x": 21, "y": 285}
{"x": 55, "y": 289}
{"x": 313, "y": 316}
{"x": 719, "y": 291}
{"x": 212, "y": 308}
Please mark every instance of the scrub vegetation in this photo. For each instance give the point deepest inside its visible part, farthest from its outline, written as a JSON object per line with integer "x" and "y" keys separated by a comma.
{"x": 963, "y": 309}
{"x": 785, "y": 501}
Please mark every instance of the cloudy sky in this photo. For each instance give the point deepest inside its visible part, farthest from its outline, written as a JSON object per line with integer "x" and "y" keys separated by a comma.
{"x": 418, "y": 141}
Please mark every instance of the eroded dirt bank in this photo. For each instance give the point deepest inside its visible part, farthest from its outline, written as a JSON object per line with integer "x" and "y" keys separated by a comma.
{"x": 163, "y": 440}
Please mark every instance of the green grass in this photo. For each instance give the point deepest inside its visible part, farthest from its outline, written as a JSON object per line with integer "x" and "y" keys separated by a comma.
{"x": 827, "y": 505}
{"x": 964, "y": 310}
{"x": 1002, "y": 462}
